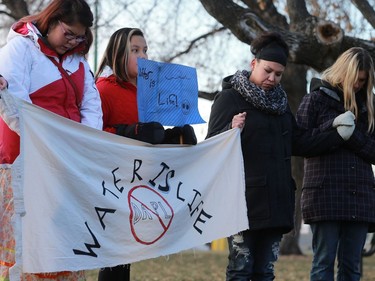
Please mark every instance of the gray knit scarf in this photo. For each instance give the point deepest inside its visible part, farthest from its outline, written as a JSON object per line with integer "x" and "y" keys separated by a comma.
{"x": 273, "y": 101}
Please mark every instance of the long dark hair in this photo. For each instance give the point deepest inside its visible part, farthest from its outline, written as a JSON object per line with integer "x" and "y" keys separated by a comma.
{"x": 116, "y": 54}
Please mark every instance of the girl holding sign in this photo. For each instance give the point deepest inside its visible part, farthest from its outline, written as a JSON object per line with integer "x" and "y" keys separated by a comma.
{"x": 116, "y": 80}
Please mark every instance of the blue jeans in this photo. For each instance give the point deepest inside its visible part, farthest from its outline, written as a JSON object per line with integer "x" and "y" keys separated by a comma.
{"x": 342, "y": 239}
{"x": 252, "y": 255}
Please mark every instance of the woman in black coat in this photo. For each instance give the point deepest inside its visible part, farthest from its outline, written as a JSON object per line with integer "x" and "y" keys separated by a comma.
{"x": 256, "y": 103}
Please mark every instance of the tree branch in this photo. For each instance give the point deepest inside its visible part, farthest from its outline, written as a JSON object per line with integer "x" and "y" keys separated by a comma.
{"x": 18, "y": 8}
{"x": 207, "y": 95}
{"x": 366, "y": 9}
{"x": 267, "y": 9}
{"x": 194, "y": 42}
{"x": 236, "y": 18}
{"x": 297, "y": 11}
{"x": 6, "y": 13}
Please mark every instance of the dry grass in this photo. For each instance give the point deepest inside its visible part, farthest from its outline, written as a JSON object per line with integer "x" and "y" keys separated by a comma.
{"x": 210, "y": 266}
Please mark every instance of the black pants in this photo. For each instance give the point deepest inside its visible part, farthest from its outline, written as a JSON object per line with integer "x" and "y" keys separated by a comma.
{"x": 117, "y": 273}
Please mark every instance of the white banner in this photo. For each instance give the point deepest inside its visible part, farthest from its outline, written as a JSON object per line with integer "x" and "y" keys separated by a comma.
{"x": 95, "y": 199}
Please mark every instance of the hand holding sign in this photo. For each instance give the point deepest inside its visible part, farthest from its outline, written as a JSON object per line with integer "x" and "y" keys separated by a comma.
{"x": 167, "y": 93}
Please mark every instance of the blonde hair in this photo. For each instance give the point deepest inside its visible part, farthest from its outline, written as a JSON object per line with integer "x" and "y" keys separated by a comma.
{"x": 116, "y": 55}
{"x": 343, "y": 74}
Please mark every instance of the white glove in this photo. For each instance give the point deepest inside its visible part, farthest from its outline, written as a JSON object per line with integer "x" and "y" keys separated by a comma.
{"x": 346, "y": 118}
{"x": 345, "y": 131}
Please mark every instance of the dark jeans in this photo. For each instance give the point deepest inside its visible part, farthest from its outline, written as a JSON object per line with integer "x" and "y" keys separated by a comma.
{"x": 342, "y": 239}
{"x": 117, "y": 273}
{"x": 252, "y": 255}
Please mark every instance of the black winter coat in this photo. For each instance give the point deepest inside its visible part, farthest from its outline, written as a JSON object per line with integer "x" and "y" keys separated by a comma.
{"x": 267, "y": 143}
{"x": 338, "y": 185}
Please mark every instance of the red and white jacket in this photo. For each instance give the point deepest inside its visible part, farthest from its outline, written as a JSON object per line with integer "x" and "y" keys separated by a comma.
{"x": 26, "y": 63}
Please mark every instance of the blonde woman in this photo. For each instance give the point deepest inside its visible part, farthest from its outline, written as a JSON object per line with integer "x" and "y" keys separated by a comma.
{"x": 338, "y": 197}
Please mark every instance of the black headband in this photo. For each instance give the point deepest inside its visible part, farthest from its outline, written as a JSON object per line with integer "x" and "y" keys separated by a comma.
{"x": 273, "y": 52}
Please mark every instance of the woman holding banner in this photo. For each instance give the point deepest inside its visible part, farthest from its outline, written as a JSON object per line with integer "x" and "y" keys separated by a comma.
{"x": 116, "y": 80}
{"x": 44, "y": 63}
{"x": 255, "y": 102}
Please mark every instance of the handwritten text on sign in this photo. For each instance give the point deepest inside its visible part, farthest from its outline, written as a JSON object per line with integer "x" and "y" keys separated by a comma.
{"x": 167, "y": 93}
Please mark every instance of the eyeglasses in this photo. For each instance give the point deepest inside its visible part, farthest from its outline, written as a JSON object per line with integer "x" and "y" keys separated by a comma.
{"x": 70, "y": 36}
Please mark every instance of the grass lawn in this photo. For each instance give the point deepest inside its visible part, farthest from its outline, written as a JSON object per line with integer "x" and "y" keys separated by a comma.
{"x": 210, "y": 266}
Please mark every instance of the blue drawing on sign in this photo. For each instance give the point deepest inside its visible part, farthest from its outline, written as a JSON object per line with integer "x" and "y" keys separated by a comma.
{"x": 172, "y": 99}
{"x": 177, "y": 77}
{"x": 144, "y": 73}
{"x": 185, "y": 107}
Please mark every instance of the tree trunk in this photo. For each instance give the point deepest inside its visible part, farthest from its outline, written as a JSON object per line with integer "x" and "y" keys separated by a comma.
{"x": 290, "y": 243}
{"x": 294, "y": 83}
{"x": 17, "y": 8}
